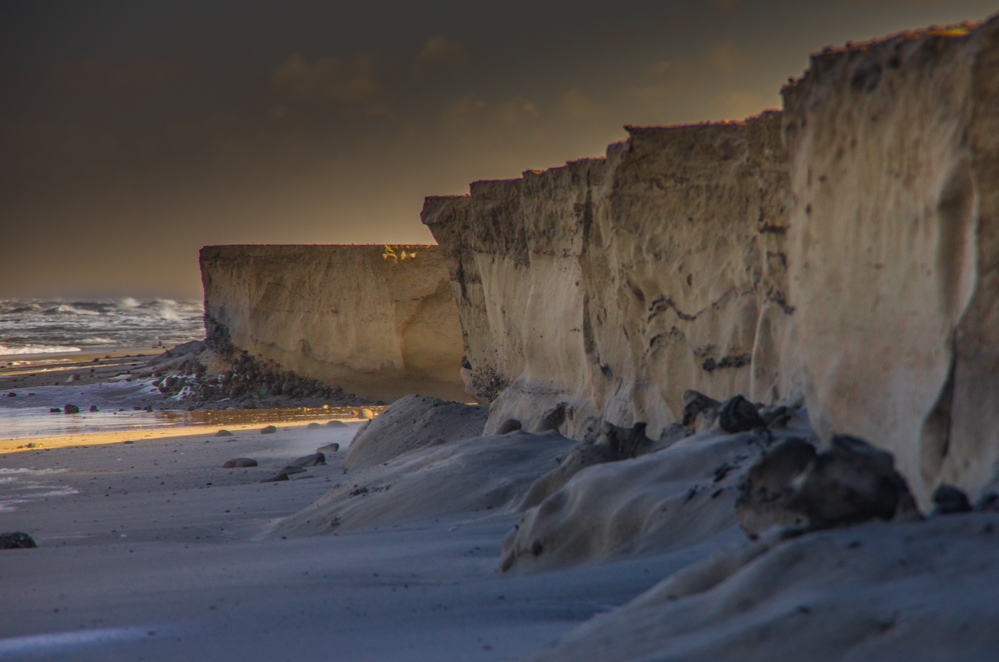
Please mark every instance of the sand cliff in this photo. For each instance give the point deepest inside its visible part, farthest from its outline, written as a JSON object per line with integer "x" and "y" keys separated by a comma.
{"x": 893, "y": 248}
{"x": 378, "y": 321}
{"x": 613, "y": 285}
{"x": 843, "y": 250}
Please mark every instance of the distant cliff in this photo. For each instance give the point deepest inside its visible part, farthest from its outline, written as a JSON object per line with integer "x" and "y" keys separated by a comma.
{"x": 379, "y": 321}
{"x": 845, "y": 251}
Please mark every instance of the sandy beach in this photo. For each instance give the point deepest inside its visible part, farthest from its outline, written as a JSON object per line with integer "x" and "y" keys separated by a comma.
{"x": 152, "y": 550}
{"x": 415, "y": 543}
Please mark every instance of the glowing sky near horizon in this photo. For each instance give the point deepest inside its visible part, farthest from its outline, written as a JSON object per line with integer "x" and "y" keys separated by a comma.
{"x": 132, "y": 134}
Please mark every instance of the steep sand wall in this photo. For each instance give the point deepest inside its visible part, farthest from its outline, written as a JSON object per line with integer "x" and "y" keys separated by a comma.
{"x": 613, "y": 285}
{"x": 894, "y": 248}
{"x": 379, "y": 321}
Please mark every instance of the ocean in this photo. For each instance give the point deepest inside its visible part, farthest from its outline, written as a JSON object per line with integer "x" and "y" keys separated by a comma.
{"x": 45, "y": 326}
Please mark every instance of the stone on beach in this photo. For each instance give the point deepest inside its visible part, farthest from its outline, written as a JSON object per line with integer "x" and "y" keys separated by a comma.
{"x": 223, "y": 433}
{"x": 270, "y": 429}
{"x": 948, "y": 500}
{"x": 284, "y": 474}
{"x": 239, "y": 462}
{"x": 16, "y": 540}
{"x": 71, "y": 409}
{"x": 314, "y": 460}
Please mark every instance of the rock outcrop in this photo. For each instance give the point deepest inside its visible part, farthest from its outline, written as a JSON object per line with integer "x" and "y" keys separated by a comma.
{"x": 378, "y": 321}
{"x": 611, "y": 286}
{"x": 894, "y": 248}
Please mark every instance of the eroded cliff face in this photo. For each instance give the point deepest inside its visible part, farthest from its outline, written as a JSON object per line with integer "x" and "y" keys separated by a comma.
{"x": 611, "y": 286}
{"x": 894, "y": 249}
{"x": 379, "y": 321}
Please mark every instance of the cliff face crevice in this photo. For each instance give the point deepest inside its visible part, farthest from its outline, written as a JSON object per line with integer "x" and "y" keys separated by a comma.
{"x": 379, "y": 321}
{"x": 614, "y": 285}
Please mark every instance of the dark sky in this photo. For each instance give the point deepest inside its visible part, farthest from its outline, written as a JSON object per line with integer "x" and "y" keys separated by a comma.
{"x": 133, "y": 133}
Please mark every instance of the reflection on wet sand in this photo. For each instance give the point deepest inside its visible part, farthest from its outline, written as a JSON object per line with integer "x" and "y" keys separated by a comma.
{"x": 225, "y": 417}
{"x": 32, "y": 424}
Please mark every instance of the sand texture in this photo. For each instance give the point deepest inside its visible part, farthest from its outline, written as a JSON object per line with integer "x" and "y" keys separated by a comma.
{"x": 471, "y": 475}
{"x": 413, "y": 422}
{"x": 873, "y": 592}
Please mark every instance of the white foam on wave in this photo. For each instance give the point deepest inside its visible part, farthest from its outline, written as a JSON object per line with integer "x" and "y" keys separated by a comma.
{"x": 36, "y": 349}
{"x": 70, "y": 310}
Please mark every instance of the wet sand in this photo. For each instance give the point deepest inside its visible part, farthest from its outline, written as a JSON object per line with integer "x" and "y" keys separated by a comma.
{"x": 26, "y": 371}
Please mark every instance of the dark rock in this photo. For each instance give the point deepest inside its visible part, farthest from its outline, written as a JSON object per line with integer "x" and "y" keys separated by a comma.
{"x": 283, "y": 474}
{"x": 948, "y": 500}
{"x": 276, "y": 479}
{"x": 555, "y": 416}
{"x": 336, "y": 424}
{"x": 93, "y": 408}
{"x": 777, "y": 418}
{"x": 55, "y": 410}
{"x": 240, "y": 463}
{"x": 624, "y": 443}
{"x": 223, "y": 433}
{"x": 329, "y": 448}
{"x": 694, "y": 403}
{"x": 16, "y": 540}
{"x": 988, "y": 501}
{"x": 671, "y": 434}
{"x": 12, "y": 395}
{"x": 739, "y": 415}
{"x": 508, "y": 426}
{"x": 71, "y": 409}
{"x": 848, "y": 483}
{"x": 270, "y": 429}
{"x": 314, "y": 460}
{"x": 766, "y": 486}
{"x": 128, "y": 442}
{"x": 313, "y": 426}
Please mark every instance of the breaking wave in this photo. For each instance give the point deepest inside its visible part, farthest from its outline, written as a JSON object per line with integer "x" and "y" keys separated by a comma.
{"x": 40, "y": 326}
